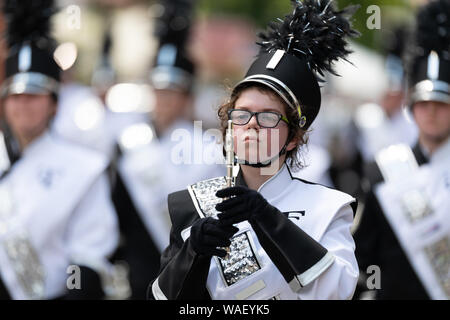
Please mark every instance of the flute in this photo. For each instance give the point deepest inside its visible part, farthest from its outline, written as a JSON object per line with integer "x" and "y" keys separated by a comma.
{"x": 229, "y": 150}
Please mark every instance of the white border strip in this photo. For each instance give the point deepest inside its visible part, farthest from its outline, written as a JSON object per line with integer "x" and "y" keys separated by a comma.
{"x": 316, "y": 270}
{"x": 157, "y": 292}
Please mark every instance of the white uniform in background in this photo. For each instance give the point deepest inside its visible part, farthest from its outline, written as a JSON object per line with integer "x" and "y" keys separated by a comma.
{"x": 377, "y": 131}
{"x": 152, "y": 167}
{"x": 416, "y": 203}
{"x": 317, "y": 163}
{"x": 55, "y": 211}
{"x": 82, "y": 118}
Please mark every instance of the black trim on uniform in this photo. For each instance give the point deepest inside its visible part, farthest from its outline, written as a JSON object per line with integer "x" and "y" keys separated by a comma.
{"x": 90, "y": 288}
{"x": 377, "y": 244}
{"x": 291, "y": 249}
{"x": 420, "y": 156}
{"x": 185, "y": 276}
{"x": 373, "y": 173}
{"x": 183, "y": 272}
{"x": 136, "y": 246}
{"x": 4, "y": 293}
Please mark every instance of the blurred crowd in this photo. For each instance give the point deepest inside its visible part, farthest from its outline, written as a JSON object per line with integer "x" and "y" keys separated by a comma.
{"x": 133, "y": 117}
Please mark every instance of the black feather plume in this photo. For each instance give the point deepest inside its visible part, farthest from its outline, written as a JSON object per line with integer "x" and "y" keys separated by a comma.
{"x": 28, "y": 21}
{"x": 314, "y": 31}
{"x": 433, "y": 28}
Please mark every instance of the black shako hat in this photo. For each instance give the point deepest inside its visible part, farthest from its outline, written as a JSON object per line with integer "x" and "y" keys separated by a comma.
{"x": 429, "y": 57}
{"x": 30, "y": 66}
{"x": 394, "y": 49}
{"x": 173, "y": 69}
{"x": 104, "y": 75}
{"x": 297, "y": 50}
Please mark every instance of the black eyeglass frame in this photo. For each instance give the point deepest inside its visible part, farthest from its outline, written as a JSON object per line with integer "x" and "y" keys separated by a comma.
{"x": 280, "y": 117}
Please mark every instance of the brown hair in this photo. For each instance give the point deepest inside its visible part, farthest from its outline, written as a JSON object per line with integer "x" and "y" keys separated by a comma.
{"x": 293, "y": 157}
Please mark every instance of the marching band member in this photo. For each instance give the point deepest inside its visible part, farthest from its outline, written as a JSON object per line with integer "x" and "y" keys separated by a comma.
{"x": 385, "y": 123}
{"x": 404, "y": 229}
{"x": 270, "y": 235}
{"x": 56, "y": 217}
{"x": 151, "y": 162}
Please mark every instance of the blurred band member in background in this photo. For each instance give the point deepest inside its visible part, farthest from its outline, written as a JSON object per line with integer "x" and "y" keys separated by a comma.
{"x": 152, "y": 160}
{"x": 405, "y": 228}
{"x": 384, "y": 124}
{"x": 56, "y": 217}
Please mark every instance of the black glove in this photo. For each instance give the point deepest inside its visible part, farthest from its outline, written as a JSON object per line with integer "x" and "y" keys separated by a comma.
{"x": 291, "y": 249}
{"x": 244, "y": 204}
{"x": 208, "y": 235}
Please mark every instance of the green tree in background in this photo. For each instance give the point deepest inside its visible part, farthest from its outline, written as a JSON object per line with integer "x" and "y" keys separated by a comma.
{"x": 393, "y": 13}
{"x": 260, "y": 12}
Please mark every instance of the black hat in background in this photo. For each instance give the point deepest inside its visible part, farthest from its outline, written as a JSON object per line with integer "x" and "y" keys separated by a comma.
{"x": 30, "y": 65}
{"x": 104, "y": 75}
{"x": 296, "y": 51}
{"x": 429, "y": 57}
{"x": 173, "y": 69}
{"x": 394, "y": 49}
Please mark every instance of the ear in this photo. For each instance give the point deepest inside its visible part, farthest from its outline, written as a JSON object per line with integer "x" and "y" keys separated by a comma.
{"x": 53, "y": 106}
{"x": 293, "y": 143}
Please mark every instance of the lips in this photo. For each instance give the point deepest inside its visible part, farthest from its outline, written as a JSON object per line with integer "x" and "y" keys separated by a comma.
{"x": 249, "y": 138}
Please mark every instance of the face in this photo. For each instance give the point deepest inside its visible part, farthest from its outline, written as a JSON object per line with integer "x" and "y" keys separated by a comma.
{"x": 392, "y": 101}
{"x": 252, "y": 142}
{"x": 433, "y": 119}
{"x": 170, "y": 104}
{"x": 28, "y": 114}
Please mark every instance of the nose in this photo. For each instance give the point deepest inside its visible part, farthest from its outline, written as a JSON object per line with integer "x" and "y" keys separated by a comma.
{"x": 252, "y": 124}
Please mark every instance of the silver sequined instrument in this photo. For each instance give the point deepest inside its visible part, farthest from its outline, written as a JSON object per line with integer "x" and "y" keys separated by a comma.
{"x": 20, "y": 251}
{"x": 397, "y": 162}
{"x": 439, "y": 256}
{"x": 241, "y": 260}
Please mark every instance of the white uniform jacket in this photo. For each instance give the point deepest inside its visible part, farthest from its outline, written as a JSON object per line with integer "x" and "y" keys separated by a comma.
{"x": 55, "y": 212}
{"x": 311, "y": 240}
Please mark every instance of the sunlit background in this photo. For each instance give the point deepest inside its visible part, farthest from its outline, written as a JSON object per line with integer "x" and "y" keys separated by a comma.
{"x": 109, "y": 46}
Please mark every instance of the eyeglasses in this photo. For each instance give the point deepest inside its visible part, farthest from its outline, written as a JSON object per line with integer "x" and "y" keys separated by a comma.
{"x": 266, "y": 119}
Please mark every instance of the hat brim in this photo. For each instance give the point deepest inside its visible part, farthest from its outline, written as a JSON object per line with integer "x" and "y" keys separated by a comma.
{"x": 29, "y": 83}
{"x": 429, "y": 90}
{"x": 170, "y": 78}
